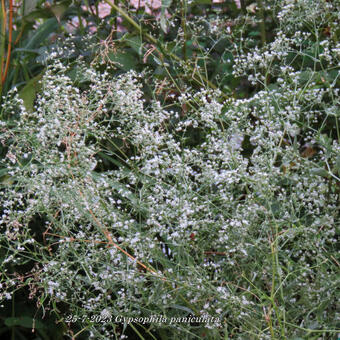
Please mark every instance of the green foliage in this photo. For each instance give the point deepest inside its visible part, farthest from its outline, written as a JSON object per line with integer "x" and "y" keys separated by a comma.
{"x": 181, "y": 163}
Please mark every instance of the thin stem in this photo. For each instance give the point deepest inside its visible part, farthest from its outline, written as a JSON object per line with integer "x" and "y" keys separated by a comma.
{"x": 331, "y": 331}
{"x": 111, "y": 243}
{"x": 2, "y": 39}
{"x": 275, "y": 273}
{"x": 13, "y": 315}
{"x": 10, "y": 30}
{"x": 262, "y": 22}
{"x": 243, "y": 6}
{"x": 183, "y": 24}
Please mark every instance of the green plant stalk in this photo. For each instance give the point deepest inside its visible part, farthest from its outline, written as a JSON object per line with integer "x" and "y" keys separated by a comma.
{"x": 13, "y": 315}
{"x": 81, "y": 26}
{"x": 331, "y": 331}
{"x": 268, "y": 318}
{"x": 337, "y": 128}
{"x": 262, "y": 23}
{"x": 136, "y": 331}
{"x": 154, "y": 41}
{"x": 184, "y": 28}
{"x": 275, "y": 273}
{"x": 283, "y": 335}
{"x": 2, "y": 40}
{"x": 148, "y": 331}
{"x": 243, "y": 6}
{"x": 81, "y": 331}
{"x": 9, "y": 47}
{"x": 115, "y": 21}
{"x": 270, "y": 324}
{"x": 272, "y": 293}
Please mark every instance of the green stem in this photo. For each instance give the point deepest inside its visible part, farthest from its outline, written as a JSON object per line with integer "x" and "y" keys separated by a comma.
{"x": 183, "y": 24}
{"x": 262, "y": 23}
{"x": 9, "y": 47}
{"x": 2, "y": 40}
{"x": 313, "y": 330}
{"x": 13, "y": 315}
{"x": 243, "y": 6}
{"x": 270, "y": 324}
{"x": 81, "y": 26}
{"x": 272, "y": 293}
{"x": 275, "y": 273}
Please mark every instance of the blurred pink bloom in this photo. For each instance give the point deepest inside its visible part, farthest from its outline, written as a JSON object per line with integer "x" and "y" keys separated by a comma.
{"x": 237, "y": 2}
{"x": 151, "y": 7}
{"x": 151, "y": 4}
{"x": 104, "y": 10}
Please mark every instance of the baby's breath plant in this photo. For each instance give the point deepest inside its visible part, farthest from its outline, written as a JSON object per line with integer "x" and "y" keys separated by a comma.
{"x": 117, "y": 207}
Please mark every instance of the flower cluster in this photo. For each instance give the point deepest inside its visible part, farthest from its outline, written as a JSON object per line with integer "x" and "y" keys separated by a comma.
{"x": 215, "y": 207}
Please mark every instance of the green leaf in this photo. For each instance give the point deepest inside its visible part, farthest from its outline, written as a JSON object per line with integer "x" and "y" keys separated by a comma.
{"x": 319, "y": 172}
{"x": 337, "y": 163}
{"x": 37, "y": 14}
{"x": 135, "y": 42}
{"x": 111, "y": 159}
{"x": 186, "y": 309}
{"x": 6, "y": 180}
{"x": 201, "y": 2}
{"x": 29, "y": 91}
{"x": 59, "y": 9}
{"x": 3, "y": 172}
{"x": 50, "y": 11}
{"x": 41, "y": 34}
{"x": 23, "y": 321}
{"x": 26, "y": 50}
{"x": 30, "y": 5}
{"x": 125, "y": 61}
{"x": 164, "y": 21}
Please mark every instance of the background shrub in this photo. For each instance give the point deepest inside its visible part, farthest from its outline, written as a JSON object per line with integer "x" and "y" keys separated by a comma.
{"x": 177, "y": 187}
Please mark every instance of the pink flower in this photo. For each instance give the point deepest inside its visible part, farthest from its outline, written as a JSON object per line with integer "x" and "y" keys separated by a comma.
{"x": 104, "y": 10}
{"x": 150, "y": 4}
